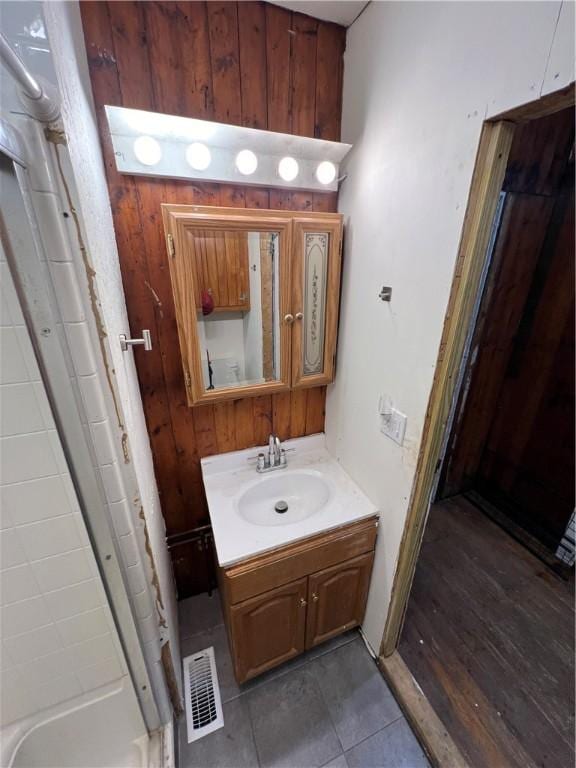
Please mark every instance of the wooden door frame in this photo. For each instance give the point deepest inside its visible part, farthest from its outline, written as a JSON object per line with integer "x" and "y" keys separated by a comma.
{"x": 491, "y": 161}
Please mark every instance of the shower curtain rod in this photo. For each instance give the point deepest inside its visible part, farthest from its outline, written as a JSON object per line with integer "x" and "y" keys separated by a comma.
{"x": 40, "y": 100}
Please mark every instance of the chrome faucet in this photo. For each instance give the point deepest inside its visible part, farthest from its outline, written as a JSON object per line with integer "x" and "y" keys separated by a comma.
{"x": 274, "y": 459}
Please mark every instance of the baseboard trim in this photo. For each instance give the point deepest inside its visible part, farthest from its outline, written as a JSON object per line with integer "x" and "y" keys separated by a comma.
{"x": 429, "y": 729}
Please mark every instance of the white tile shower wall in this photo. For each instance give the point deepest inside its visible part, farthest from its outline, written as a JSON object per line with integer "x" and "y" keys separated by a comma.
{"x": 69, "y": 277}
{"x": 53, "y": 184}
{"x": 88, "y": 184}
{"x": 55, "y": 624}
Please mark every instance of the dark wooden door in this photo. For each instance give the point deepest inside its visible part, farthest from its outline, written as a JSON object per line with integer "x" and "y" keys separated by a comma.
{"x": 513, "y": 435}
{"x": 268, "y": 630}
{"x": 527, "y": 466}
{"x": 337, "y": 599}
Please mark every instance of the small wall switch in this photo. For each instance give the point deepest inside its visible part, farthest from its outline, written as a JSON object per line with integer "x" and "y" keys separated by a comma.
{"x": 394, "y": 425}
{"x": 384, "y": 405}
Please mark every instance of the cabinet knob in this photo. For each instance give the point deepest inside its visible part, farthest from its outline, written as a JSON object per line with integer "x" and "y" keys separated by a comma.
{"x": 299, "y": 315}
{"x": 302, "y": 603}
{"x": 288, "y": 319}
{"x": 314, "y": 597}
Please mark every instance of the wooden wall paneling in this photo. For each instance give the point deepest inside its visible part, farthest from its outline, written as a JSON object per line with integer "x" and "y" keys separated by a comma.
{"x": 182, "y": 419}
{"x": 162, "y": 34}
{"x": 225, "y": 426}
{"x": 252, "y": 47}
{"x": 539, "y": 154}
{"x": 245, "y": 63}
{"x": 244, "y": 421}
{"x": 543, "y": 489}
{"x": 252, "y": 33}
{"x": 138, "y": 57}
{"x": 225, "y": 61}
{"x": 262, "y": 419}
{"x": 224, "y": 57}
{"x": 522, "y": 233}
{"x": 328, "y": 110}
{"x": 279, "y": 36}
{"x": 106, "y": 83}
{"x": 525, "y": 461}
{"x": 194, "y": 61}
{"x": 298, "y": 406}
{"x": 548, "y": 307}
{"x": 328, "y": 99}
{"x": 303, "y": 75}
{"x": 315, "y": 410}
{"x": 281, "y": 412}
{"x": 278, "y": 56}
{"x": 536, "y": 171}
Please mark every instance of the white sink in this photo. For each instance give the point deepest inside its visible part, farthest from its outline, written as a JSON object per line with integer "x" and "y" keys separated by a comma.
{"x": 304, "y": 492}
{"x": 320, "y": 496}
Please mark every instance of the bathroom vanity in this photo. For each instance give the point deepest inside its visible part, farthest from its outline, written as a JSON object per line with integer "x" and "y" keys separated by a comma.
{"x": 290, "y": 579}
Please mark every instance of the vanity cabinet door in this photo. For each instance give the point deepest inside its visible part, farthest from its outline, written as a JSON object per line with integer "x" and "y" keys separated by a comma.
{"x": 315, "y": 299}
{"x": 268, "y": 629}
{"x": 337, "y": 599}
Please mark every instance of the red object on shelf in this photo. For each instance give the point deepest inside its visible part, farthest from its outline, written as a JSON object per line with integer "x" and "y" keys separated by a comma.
{"x": 207, "y": 303}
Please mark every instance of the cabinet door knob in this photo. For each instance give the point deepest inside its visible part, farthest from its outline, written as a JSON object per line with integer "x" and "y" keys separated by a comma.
{"x": 288, "y": 319}
{"x": 314, "y": 597}
{"x": 302, "y": 603}
{"x": 299, "y": 315}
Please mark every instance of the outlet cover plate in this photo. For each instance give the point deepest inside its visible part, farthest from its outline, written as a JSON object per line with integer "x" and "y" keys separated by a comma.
{"x": 394, "y": 426}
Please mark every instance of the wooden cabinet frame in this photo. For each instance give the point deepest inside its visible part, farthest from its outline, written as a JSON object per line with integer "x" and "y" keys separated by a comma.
{"x": 291, "y": 226}
{"x": 302, "y": 226}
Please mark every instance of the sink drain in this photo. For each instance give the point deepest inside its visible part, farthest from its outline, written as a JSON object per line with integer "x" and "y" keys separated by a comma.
{"x": 281, "y": 507}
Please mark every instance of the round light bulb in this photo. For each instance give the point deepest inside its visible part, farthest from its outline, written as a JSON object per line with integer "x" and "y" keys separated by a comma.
{"x": 326, "y": 172}
{"x": 147, "y": 150}
{"x": 246, "y": 162}
{"x": 198, "y": 156}
{"x": 288, "y": 168}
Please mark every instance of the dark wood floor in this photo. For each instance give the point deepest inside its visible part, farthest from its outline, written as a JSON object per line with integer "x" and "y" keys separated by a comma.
{"x": 489, "y": 636}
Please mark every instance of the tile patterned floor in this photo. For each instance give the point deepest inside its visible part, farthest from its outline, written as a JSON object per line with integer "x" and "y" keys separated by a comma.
{"x": 329, "y": 707}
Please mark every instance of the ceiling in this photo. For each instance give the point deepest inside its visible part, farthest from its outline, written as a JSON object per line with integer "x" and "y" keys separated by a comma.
{"x": 341, "y": 11}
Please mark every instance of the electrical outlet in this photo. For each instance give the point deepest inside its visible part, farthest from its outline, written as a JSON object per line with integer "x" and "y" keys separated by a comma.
{"x": 393, "y": 425}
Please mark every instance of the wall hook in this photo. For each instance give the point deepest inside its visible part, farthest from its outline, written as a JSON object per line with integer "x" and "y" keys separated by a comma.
{"x": 386, "y": 293}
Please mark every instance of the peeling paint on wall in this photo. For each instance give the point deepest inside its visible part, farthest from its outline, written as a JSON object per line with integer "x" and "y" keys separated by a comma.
{"x": 57, "y": 137}
{"x": 166, "y": 656}
{"x": 155, "y": 580}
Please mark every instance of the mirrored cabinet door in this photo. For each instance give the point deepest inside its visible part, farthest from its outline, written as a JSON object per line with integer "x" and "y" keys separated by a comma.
{"x": 315, "y": 290}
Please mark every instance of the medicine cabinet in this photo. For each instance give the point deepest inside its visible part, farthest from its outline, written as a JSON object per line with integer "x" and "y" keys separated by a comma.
{"x": 256, "y": 296}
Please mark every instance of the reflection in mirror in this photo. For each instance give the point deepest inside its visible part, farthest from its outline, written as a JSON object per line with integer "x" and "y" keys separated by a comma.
{"x": 237, "y": 303}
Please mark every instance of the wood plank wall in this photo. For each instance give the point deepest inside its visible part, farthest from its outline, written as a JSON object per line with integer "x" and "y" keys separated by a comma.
{"x": 513, "y": 438}
{"x": 245, "y": 63}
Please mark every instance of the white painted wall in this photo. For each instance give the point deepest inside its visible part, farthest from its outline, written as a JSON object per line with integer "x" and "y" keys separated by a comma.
{"x": 419, "y": 80}
{"x": 222, "y": 334}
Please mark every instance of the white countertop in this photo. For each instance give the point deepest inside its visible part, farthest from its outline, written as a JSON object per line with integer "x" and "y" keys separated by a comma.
{"x": 228, "y": 475}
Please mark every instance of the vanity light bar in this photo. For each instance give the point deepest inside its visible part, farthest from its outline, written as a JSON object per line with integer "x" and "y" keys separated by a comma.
{"x": 154, "y": 144}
